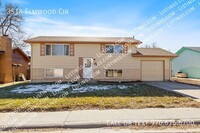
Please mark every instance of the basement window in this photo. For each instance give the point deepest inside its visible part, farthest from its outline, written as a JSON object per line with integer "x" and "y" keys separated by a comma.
{"x": 114, "y": 73}
{"x": 54, "y": 73}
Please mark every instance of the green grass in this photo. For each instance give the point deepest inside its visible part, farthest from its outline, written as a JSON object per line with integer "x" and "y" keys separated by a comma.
{"x": 134, "y": 97}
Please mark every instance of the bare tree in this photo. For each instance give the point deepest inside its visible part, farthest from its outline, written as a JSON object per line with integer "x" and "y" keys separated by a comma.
{"x": 10, "y": 19}
{"x": 11, "y": 24}
{"x": 18, "y": 40}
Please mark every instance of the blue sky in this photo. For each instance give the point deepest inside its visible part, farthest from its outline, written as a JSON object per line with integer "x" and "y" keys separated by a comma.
{"x": 116, "y": 18}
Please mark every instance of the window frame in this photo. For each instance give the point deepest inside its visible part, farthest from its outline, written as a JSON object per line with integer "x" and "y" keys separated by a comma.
{"x": 114, "y": 74}
{"x": 45, "y": 73}
{"x": 109, "y": 46}
{"x": 114, "y": 49}
{"x": 52, "y": 49}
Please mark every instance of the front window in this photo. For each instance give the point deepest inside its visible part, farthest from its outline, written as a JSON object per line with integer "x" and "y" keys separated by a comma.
{"x": 57, "y": 50}
{"x": 54, "y": 73}
{"x": 109, "y": 49}
{"x": 118, "y": 48}
{"x": 113, "y": 73}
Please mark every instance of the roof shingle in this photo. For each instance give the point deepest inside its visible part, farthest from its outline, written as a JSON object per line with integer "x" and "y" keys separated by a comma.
{"x": 69, "y": 39}
{"x": 153, "y": 52}
{"x": 194, "y": 48}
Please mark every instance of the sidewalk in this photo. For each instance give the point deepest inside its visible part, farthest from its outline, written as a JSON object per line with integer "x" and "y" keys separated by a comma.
{"x": 96, "y": 118}
{"x": 14, "y": 83}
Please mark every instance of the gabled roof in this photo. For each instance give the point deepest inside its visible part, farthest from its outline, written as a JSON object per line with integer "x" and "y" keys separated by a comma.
{"x": 22, "y": 53}
{"x": 153, "y": 52}
{"x": 197, "y": 49}
{"x": 70, "y": 39}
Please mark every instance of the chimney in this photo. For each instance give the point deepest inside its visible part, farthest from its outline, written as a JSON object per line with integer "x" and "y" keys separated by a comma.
{"x": 5, "y": 60}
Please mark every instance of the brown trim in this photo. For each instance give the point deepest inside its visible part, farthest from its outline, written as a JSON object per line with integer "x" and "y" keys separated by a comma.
{"x": 140, "y": 70}
{"x": 42, "y": 49}
{"x": 81, "y": 67}
{"x": 71, "y": 45}
{"x": 163, "y": 70}
{"x": 170, "y": 69}
{"x": 102, "y": 48}
{"x": 31, "y": 67}
{"x": 77, "y": 42}
{"x": 125, "y": 48}
{"x": 163, "y": 56}
{"x": 152, "y": 60}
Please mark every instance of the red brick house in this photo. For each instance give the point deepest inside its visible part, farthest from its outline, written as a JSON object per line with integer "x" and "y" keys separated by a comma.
{"x": 12, "y": 62}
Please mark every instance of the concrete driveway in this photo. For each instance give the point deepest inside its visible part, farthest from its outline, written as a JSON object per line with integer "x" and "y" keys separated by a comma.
{"x": 184, "y": 89}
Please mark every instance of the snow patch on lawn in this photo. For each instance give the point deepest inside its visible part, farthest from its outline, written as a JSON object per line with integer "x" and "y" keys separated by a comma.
{"x": 40, "y": 88}
{"x": 60, "y": 87}
{"x": 90, "y": 88}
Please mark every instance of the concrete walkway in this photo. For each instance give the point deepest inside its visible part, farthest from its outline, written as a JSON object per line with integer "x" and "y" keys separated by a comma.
{"x": 184, "y": 89}
{"x": 99, "y": 118}
{"x": 14, "y": 83}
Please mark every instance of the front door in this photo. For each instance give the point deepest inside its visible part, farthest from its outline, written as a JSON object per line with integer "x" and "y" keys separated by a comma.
{"x": 88, "y": 68}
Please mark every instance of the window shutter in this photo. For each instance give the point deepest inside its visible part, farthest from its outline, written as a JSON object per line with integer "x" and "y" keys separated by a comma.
{"x": 71, "y": 49}
{"x": 125, "y": 49}
{"x": 103, "y": 48}
{"x": 42, "y": 49}
{"x": 81, "y": 67}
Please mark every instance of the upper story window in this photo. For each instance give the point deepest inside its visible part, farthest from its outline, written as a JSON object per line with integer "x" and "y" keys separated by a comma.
{"x": 57, "y": 49}
{"x": 118, "y": 48}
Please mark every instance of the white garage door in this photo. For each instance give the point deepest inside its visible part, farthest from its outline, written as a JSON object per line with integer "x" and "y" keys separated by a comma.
{"x": 152, "y": 70}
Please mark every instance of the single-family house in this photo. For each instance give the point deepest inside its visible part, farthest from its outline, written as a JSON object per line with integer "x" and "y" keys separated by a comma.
{"x": 98, "y": 58}
{"x": 188, "y": 61}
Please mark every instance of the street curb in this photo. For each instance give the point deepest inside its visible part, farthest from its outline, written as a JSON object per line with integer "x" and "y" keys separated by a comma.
{"x": 109, "y": 123}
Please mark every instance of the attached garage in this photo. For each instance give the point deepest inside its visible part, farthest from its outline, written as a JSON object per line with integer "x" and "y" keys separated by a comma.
{"x": 152, "y": 70}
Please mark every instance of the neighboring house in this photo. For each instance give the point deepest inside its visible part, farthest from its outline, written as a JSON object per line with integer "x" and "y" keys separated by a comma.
{"x": 188, "y": 61}
{"x": 97, "y": 58}
{"x": 12, "y": 61}
{"x": 21, "y": 63}
{"x": 5, "y": 60}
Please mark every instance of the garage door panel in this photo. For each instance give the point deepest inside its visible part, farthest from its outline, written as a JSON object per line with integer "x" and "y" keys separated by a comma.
{"x": 152, "y": 70}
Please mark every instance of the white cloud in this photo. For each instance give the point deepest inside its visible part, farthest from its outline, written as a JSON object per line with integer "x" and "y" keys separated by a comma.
{"x": 172, "y": 38}
{"x": 39, "y": 25}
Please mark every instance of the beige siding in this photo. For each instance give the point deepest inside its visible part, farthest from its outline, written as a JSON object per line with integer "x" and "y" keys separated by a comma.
{"x": 130, "y": 66}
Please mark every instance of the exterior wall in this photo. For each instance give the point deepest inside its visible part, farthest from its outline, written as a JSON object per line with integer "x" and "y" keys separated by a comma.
{"x": 6, "y": 60}
{"x": 187, "y": 62}
{"x": 18, "y": 58}
{"x": 130, "y": 65}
